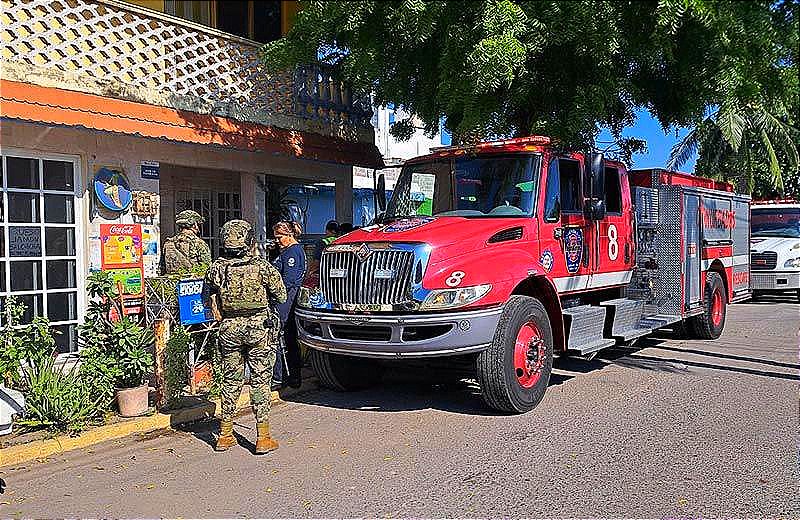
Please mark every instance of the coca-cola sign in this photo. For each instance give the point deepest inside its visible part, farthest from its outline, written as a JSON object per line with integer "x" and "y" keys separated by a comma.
{"x": 121, "y": 229}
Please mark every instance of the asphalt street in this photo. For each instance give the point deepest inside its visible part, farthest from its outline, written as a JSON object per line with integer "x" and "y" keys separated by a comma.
{"x": 667, "y": 428}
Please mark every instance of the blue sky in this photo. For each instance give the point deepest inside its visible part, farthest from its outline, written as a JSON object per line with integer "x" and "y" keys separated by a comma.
{"x": 659, "y": 144}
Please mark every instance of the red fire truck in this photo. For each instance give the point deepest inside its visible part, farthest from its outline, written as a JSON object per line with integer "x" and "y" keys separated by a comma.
{"x": 508, "y": 253}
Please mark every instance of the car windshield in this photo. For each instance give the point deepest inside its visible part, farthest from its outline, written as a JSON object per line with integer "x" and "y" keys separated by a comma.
{"x": 495, "y": 186}
{"x": 775, "y": 222}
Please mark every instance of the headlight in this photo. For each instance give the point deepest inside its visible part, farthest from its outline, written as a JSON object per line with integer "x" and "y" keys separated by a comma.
{"x": 792, "y": 262}
{"x": 452, "y": 298}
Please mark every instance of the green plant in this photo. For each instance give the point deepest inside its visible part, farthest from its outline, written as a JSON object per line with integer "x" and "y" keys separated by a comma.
{"x": 57, "y": 399}
{"x": 12, "y": 351}
{"x": 22, "y": 343}
{"x": 114, "y": 351}
{"x": 175, "y": 364}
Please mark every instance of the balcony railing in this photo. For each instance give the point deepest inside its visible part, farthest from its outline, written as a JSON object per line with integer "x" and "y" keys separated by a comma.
{"x": 119, "y": 50}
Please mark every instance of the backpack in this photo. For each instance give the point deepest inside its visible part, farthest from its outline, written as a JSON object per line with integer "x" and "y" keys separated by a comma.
{"x": 242, "y": 287}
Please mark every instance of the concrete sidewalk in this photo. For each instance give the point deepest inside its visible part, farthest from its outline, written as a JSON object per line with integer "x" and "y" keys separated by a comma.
{"x": 200, "y": 410}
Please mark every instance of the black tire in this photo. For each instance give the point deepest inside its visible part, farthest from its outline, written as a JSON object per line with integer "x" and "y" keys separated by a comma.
{"x": 755, "y": 296}
{"x": 704, "y": 325}
{"x": 344, "y": 373}
{"x": 500, "y": 386}
{"x": 797, "y": 296}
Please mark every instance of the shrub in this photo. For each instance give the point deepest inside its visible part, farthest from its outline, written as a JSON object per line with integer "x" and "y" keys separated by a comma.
{"x": 114, "y": 353}
{"x": 56, "y": 399}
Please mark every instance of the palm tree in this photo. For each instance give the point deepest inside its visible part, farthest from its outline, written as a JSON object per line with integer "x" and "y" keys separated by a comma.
{"x": 740, "y": 143}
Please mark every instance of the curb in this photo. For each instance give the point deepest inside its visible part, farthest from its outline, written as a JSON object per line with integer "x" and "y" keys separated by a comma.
{"x": 41, "y": 449}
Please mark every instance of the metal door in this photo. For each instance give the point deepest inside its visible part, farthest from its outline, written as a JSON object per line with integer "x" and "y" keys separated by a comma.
{"x": 692, "y": 251}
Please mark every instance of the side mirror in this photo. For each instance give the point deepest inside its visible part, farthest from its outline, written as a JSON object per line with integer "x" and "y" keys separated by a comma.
{"x": 595, "y": 209}
{"x": 380, "y": 193}
{"x": 597, "y": 168}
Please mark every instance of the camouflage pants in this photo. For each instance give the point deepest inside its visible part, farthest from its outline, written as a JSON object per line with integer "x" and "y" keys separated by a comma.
{"x": 254, "y": 340}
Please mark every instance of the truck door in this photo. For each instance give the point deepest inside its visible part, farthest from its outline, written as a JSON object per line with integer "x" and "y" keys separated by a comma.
{"x": 564, "y": 250}
{"x": 613, "y": 255}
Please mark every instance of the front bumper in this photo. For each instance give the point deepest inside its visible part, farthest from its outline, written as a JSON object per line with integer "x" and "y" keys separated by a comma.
{"x": 412, "y": 335}
{"x": 774, "y": 280}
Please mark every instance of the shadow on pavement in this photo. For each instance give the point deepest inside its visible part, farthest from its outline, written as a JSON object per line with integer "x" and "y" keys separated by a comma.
{"x": 732, "y": 356}
{"x": 405, "y": 388}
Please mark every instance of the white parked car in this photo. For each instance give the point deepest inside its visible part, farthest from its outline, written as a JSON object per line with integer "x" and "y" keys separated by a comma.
{"x": 775, "y": 247}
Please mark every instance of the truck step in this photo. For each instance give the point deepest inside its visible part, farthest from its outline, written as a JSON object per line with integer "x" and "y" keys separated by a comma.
{"x": 584, "y": 326}
{"x": 588, "y": 348}
{"x": 623, "y": 317}
{"x": 658, "y": 321}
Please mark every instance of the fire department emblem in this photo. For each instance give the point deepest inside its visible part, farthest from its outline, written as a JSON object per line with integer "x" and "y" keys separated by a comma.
{"x": 408, "y": 223}
{"x": 573, "y": 249}
{"x": 363, "y": 252}
{"x": 547, "y": 260}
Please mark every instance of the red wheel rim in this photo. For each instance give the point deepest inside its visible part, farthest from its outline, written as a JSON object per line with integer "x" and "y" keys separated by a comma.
{"x": 717, "y": 307}
{"x": 529, "y": 355}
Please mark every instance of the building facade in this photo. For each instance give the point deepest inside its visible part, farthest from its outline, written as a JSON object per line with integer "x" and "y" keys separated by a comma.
{"x": 127, "y": 113}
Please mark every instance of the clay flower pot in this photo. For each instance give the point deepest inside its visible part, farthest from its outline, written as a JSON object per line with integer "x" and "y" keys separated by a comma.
{"x": 132, "y": 401}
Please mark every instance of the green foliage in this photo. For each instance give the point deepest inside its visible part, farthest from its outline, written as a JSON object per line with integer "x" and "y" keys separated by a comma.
{"x": 114, "y": 353}
{"x": 176, "y": 369}
{"x": 13, "y": 349}
{"x": 57, "y": 399}
{"x": 564, "y": 69}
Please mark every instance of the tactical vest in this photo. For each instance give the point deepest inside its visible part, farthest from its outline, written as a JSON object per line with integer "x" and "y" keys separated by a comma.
{"x": 176, "y": 256}
{"x": 242, "y": 290}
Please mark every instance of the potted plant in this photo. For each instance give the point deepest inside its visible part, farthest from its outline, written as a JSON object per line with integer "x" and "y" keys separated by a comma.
{"x": 115, "y": 353}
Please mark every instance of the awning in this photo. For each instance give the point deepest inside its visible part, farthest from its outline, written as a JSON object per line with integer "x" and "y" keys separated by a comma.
{"x": 28, "y": 102}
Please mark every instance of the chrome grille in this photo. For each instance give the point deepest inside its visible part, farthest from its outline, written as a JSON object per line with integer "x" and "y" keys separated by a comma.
{"x": 359, "y": 284}
{"x": 763, "y": 261}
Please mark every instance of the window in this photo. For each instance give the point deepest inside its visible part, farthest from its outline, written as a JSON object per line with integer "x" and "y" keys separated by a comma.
{"x": 569, "y": 172}
{"x": 195, "y": 10}
{"x": 552, "y": 197}
{"x": 40, "y": 242}
{"x": 613, "y": 191}
{"x": 216, "y": 207}
{"x": 259, "y": 20}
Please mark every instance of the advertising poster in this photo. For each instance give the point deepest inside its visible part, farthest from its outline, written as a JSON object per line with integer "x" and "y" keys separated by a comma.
{"x": 150, "y": 250}
{"x": 190, "y": 302}
{"x": 121, "y": 254}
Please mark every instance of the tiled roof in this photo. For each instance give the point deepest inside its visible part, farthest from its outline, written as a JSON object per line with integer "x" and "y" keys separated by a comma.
{"x": 63, "y": 107}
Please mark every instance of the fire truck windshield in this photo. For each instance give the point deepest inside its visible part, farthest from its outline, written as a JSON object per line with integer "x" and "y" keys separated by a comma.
{"x": 775, "y": 222}
{"x": 487, "y": 186}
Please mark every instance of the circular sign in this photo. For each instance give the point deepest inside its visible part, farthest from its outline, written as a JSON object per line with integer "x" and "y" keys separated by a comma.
{"x": 112, "y": 189}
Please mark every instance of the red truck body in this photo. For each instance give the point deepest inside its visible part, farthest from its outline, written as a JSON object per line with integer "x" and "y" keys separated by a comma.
{"x": 511, "y": 252}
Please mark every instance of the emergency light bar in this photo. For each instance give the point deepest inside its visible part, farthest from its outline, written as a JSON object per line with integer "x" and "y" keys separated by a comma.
{"x": 517, "y": 143}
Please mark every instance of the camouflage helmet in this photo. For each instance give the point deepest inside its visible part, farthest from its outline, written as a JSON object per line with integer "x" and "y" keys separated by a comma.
{"x": 188, "y": 218}
{"x": 236, "y": 234}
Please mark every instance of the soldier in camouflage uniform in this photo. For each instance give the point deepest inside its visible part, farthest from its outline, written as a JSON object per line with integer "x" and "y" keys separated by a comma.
{"x": 246, "y": 287}
{"x": 186, "y": 250}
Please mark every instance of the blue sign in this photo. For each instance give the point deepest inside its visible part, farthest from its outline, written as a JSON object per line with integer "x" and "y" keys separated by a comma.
{"x": 190, "y": 302}
{"x": 573, "y": 249}
{"x": 112, "y": 189}
{"x": 150, "y": 169}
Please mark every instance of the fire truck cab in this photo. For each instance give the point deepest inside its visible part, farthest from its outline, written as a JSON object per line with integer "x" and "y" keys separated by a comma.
{"x": 775, "y": 247}
{"x": 511, "y": 252}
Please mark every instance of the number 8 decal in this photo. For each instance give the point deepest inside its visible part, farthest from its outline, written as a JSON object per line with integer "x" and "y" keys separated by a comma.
{"x": 613, "y": 245}
{"x": 455, "y": 278}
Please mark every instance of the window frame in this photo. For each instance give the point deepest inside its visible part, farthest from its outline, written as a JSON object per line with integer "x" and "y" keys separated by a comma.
{"x": 581, "y": 194}
{"x": 77, "y": 225}
{"x": 619, "y": 189}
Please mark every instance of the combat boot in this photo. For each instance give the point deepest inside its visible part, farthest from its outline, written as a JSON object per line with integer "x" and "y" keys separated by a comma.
{"x": 226, "y": 438}
{"x": 265, "y": 443}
